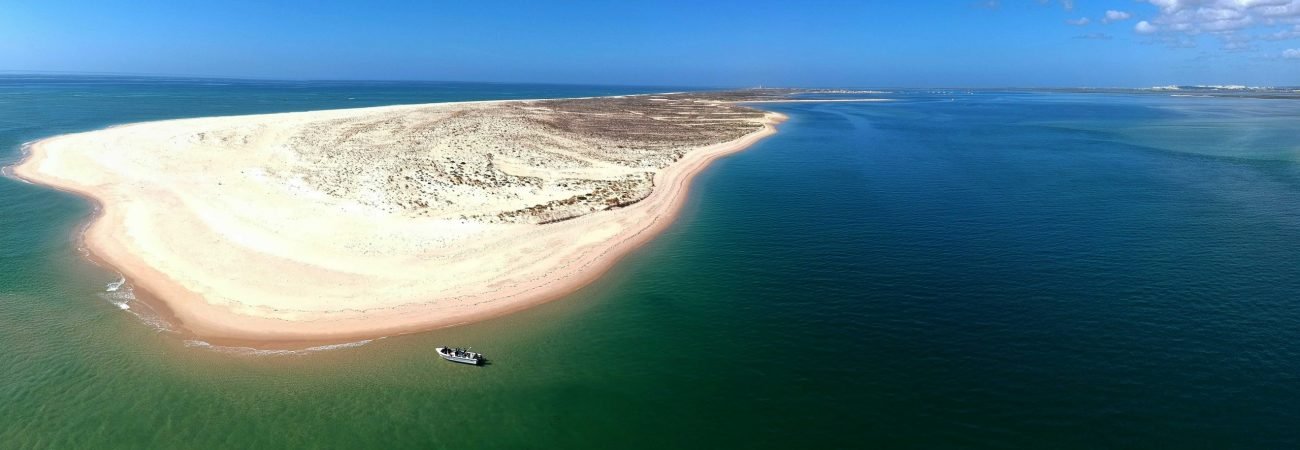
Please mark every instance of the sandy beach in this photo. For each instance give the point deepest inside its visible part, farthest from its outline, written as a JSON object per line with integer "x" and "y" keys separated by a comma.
{"x": 346, "y": 224}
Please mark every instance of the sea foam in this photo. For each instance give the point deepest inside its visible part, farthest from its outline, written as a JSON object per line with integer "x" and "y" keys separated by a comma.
{"x": 249, "y": 351}
{"x": 113, "y": 286}
{"x": 122, "y": 295}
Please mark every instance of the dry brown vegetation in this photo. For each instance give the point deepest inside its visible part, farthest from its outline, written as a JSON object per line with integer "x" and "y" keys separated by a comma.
{"x": 517, "y": 162}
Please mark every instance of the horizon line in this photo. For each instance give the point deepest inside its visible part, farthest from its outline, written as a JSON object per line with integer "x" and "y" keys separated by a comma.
{"x": 4, "y": 72}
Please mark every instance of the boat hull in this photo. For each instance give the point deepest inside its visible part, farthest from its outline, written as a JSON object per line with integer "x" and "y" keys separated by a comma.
{"x": 458, "y": 359}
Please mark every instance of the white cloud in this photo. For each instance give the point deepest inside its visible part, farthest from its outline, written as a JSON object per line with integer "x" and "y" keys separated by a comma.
{"x": 1115, "y": 16}
{"x": 1223, "y": 16}
{"x": 1291, "y": 53}
{"x": 1237, "y": 25}
{"x": 1237, "y": 45}
{"x": 1283, "y": 35}
{"x": 1095, "y": 36}
{"x": 1067, "y": 4}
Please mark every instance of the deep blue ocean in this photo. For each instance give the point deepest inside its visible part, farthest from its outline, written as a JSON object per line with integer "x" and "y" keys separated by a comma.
{"x": 948, "y": 269}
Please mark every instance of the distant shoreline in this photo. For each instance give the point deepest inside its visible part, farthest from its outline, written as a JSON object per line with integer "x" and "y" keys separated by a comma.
{"x": 829, "y": 100}
{"x": 126, "y": 234}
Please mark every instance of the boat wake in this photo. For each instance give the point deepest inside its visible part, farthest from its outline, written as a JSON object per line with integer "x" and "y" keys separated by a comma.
{"x": 249, "y": 351}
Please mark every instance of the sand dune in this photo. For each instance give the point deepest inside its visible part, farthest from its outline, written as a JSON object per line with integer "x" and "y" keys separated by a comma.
{"x": 340, "y": 224}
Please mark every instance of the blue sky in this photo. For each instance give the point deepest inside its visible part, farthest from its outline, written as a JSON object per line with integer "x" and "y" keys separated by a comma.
{"x": 976, "y": 43}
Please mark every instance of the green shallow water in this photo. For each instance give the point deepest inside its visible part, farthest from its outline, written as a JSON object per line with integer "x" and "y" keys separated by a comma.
{"x": 997, "y": 270}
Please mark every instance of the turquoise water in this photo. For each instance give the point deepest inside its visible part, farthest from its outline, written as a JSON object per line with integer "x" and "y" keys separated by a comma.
{"x": 987, "y": 270}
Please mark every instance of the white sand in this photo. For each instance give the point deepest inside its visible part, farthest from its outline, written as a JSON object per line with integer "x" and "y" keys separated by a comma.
{"x": 340, "y": 224}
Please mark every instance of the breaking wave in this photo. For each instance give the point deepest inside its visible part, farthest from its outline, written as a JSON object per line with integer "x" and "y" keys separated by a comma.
{"x": 122, "y": 295}
{"x": 7, "y": 167}
{"x": 119, "y": 293}
{"x": 113, "y": 286}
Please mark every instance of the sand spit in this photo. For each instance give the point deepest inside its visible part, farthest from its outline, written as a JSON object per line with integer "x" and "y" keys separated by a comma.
{"x": 346, "y": 224}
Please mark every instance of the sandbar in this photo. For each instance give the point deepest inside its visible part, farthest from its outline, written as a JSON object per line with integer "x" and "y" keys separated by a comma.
{"x": 355, "y": 223}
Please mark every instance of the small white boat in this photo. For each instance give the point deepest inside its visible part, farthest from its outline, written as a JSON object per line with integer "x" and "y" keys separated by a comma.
{"x": 460, "y": 355}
